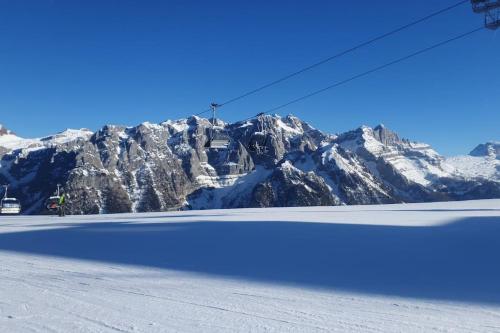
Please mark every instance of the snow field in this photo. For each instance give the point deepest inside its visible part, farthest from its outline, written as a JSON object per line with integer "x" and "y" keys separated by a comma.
{"x": 391, "y": 268}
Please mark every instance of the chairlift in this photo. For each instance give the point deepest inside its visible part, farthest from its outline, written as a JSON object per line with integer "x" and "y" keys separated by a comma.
{"x": 52, "y": 203}
{"x": 259, "y": 139}
{"x": 9, "y": 205}
{"x": 217, "y": 136}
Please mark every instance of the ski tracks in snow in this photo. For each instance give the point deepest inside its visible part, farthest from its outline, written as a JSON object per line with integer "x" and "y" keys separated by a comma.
{"x": 53, "y": 294}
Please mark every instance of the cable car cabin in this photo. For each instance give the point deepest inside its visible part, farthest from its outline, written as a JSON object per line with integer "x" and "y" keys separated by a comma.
{"x": 217, "y": 144}
{"x": 52, "y": 203}
{"x": 258, "y": 143}
{"x": 217, "y": 137}
{"x": 10, "y": 206}
{"x": 218, "y": 140}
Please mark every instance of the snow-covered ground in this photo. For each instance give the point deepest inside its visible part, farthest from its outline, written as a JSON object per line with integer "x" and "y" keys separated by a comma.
{"x": 393, "y": 268}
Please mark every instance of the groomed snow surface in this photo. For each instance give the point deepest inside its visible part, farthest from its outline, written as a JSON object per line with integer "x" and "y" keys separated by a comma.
{"x": 394, "y": 268}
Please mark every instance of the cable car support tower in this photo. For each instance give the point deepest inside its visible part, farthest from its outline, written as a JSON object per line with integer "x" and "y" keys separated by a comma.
{"x": 491, "y": 10}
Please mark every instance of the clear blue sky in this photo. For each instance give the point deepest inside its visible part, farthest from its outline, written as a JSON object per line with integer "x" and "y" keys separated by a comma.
{"x": 71, "y": 64}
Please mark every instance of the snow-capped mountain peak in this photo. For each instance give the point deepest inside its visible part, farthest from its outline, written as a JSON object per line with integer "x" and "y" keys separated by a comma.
{"x": 380, "y": 149}
{"x": 488, "y": 149}
{"x": 68, "y": 135}
{"x": 4, "y": 130}
{"x": 482, "y": 162}
{"x": 11, "y": 142}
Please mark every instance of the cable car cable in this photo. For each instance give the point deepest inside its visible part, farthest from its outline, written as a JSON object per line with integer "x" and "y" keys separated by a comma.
{"x": 338, "y": 55}
{"x": 371, "y": 71}
{"x": 352, "y": 49}
{"x": 342, "y": 53}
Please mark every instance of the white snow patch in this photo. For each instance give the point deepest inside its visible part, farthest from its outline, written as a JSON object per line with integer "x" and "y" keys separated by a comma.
{"x": 287, "y": 129}
{"x": 474, "y": 167}
{"x": 179, "y": 125}
{"x": 13, "y": 142}
{"x": 217, "y": 181}
{"x": 68, "y": 135}
{"x": 231, "y": 189}
{"x": 246, "y": 124}
{"x": 149, "y": 125}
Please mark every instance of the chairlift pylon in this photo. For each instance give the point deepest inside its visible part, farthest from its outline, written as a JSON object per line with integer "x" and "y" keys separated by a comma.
{"x": 482, "y": 6}
{"x": 491, "y": 11}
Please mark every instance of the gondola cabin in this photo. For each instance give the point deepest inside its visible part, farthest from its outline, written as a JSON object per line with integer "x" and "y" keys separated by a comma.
{"x": 218, "y": 138}
{"x": 217, "y": 142}
{"x": 10, "y": 206}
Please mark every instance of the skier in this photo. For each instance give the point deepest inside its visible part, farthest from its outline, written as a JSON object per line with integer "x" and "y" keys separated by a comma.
{"x": 62, "y": 202}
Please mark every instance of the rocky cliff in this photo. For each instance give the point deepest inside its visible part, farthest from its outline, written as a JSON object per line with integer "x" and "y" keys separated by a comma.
{"x": 156, "y": 167}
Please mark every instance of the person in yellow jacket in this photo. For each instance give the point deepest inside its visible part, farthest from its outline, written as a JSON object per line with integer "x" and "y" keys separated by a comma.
{"x": 62, "y": 202}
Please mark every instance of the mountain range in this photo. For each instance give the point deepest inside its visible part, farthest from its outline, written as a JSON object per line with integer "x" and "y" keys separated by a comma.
{"x": 157, "y": 167}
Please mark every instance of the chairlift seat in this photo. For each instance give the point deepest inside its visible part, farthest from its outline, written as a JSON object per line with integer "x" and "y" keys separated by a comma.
{"x": 52, "y": 203}
{"x": 217, "y": 143}
{"x": 258, "y": 143}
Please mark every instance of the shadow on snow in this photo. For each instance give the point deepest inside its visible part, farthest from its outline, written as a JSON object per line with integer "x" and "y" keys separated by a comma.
{"x": 458, "y": 261}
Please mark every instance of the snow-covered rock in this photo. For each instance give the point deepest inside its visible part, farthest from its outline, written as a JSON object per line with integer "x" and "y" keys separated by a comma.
{"x": 415, "y": 162}
{"x": 482, "y": 162}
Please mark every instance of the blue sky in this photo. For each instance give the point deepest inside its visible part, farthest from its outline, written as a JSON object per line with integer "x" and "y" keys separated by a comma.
{"x": 71, "y": 64}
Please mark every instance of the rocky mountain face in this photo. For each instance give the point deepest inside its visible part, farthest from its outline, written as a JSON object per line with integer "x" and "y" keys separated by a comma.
{"x": 157, "y": 167}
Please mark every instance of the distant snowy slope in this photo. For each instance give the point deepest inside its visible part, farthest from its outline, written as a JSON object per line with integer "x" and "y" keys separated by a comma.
{"x": 10, "y": 141}
{"x": 483, "y": 162}
{"x": 67, "y": 136}
{"x": 417, "y": 162}
{"x": 475, "y": 166}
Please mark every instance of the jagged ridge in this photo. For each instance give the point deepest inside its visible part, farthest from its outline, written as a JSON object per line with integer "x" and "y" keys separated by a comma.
{"x": 155, "y": 167}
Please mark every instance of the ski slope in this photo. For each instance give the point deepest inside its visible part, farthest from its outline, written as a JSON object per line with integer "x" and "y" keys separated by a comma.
{"x": 393, "y": 268}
